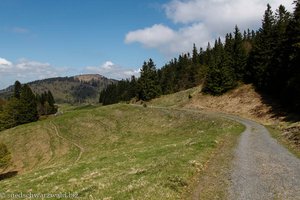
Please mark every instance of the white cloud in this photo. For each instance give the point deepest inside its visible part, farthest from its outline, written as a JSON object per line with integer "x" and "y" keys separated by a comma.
{"x": 111, "y": 70}
{"x": 153, "y": 36}
{"x": 201, "y": 21}
{"x": 4, "y": 65}
{"x": 108, "y": 65}
{"x": 219, "y": 15}
{"x": 24, "y": 65}
{"x": 213, "y": 11}
{"x": 26, "y": 70}
{"x": 169, "y": 41}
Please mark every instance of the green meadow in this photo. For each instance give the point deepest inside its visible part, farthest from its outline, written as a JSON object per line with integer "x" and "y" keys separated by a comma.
{"x": 115, "y": 152}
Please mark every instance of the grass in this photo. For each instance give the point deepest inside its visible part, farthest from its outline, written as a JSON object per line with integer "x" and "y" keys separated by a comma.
{"x": 128, "y": 152}
{"x": 277, "y": 134}
{"x": 213, "y": 182}
{"x": 178, "y": 99}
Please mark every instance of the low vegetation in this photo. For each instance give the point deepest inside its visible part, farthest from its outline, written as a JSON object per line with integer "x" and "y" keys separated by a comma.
{"x": 288, "y": 137}
{"x": 115, "y": 152}
{"x": 5, "y": 157}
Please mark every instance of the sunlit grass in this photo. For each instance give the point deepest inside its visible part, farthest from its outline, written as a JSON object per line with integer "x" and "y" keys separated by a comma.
{"x": 129, "y": 152}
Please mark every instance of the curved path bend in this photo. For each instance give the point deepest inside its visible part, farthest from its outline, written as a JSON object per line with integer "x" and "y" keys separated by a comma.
{"x": 81, "y": 149}
{"x": 262, "y": 169}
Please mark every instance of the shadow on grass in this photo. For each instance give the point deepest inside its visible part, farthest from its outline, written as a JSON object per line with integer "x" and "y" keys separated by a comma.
{"x": 8, "y": 175}
{"x": 278, "y": 110}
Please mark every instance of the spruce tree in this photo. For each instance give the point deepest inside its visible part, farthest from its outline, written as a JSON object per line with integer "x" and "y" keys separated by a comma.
{"x": 195, "y": 56}
{"x": 28, "y": 112}
{"x": 220, "y": 77}
{"x": 262, "y": 52}
{"x": 239, "y": 54}
{"x": 277, "y": 69}
{"x": 149, "y": 87}
{"x": 50, "y": 98}
{"x": 17, "y": 89}
{"x": 194, "y": 73}
{"x": 292, "y": 87}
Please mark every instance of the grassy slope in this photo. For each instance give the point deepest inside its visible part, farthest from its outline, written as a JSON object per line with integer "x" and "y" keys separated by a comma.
{"x": 243, "y": 101}
{"x": 179, "y": 99}
{"x": 127, "y": 152}
{"x": 213, "y": 181}
{"x": 246, "y": 102}
{"x": 277, "y": 133}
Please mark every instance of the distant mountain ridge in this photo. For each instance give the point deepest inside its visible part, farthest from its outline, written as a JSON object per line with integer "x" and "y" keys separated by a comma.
{"x": 89, "y": 77}
{"x": 83, "y": 88}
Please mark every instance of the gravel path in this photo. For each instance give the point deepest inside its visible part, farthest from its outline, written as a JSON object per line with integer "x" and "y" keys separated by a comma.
{"x": 263, "y": 169}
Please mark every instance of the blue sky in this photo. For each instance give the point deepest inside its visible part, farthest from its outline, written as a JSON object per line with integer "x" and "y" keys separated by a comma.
{"x": 46, "y": 38}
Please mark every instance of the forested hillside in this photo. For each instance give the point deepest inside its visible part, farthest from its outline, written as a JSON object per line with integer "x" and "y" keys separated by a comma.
{"x": 75, "y": 89}
{"x": 268, "y": 58}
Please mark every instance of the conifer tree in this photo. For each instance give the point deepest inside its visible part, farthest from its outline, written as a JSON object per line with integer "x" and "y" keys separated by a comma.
{"x": 195, "y": 56}
{"x": 239, "y": 54}
{"x": 149, "y": 87}
{"x": 133, "y": 90}
{"x": 262, "y": 53}
{"x": 292, "y": 87}
{"x": 17, "y": 89}
{"x": 220, "y": 77}
{"x": 277, "y": 69}
{"x": 50, "y": 98}
{"x": 28, "y": 112}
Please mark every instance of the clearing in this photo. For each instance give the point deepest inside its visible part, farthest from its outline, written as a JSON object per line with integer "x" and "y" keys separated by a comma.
{"x": 116, "y": 152}
{"x": 167, "y": 150}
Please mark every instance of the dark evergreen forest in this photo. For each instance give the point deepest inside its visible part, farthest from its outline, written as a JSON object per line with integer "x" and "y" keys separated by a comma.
{"x": 24, "y": 106}
{"x": 268, "y": 58}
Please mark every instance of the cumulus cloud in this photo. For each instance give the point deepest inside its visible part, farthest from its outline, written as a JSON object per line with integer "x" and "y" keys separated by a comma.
{"x": 169, "y": 41}
{"x": 151, "y": 37}
{"x": 111, "y": 70}
{"x": 26, "y": 70}
{"x": 219, "y": 14}
{"x": 5, "y": 65}
{"x": 201, "y": 21}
